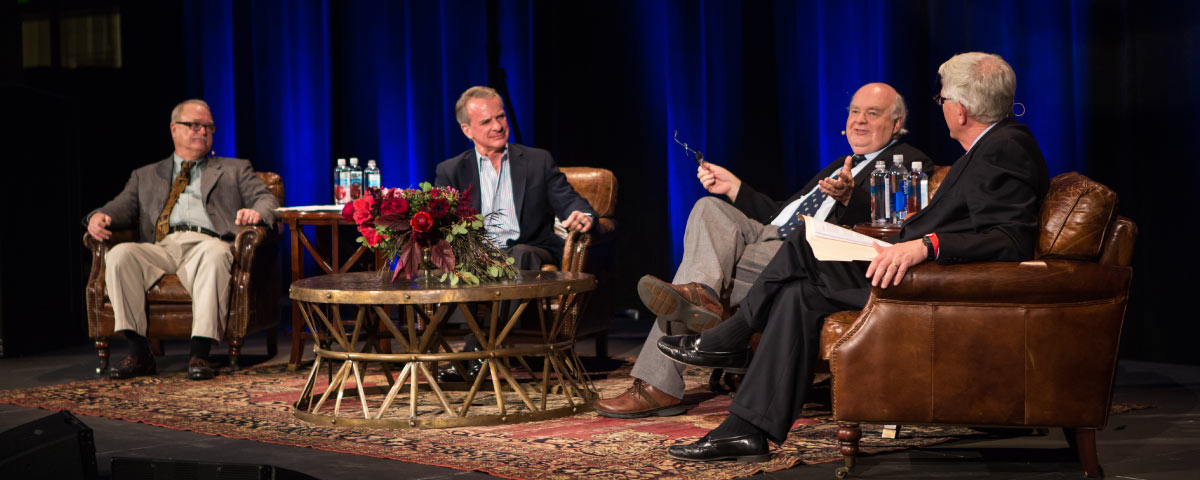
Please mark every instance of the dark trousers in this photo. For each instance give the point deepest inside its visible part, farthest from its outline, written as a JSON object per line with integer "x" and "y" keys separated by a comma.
{"x": 788, "y": 303}
{"x": 529, "y": 257}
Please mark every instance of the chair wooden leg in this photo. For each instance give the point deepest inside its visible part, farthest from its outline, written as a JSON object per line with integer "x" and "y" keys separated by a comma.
{"x": 848, "y": 435}
{"x": 272, "y": 342}
{"x": 1083, "y": 441}
{"x": 102, "y": 352}
{"x": 235, "y": 350}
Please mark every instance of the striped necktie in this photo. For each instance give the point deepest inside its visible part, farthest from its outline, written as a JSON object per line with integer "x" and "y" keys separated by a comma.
{"x": 810, "y": 205}
{"x": 163, "y": 226}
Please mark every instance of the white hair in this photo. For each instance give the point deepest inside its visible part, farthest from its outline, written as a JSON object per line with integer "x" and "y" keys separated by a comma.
{"x": 175, "y": 112}
{"x": 982, "y": 83}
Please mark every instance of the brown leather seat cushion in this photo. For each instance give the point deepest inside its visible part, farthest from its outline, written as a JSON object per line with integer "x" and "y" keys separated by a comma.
{"x": 1075, "y": 217}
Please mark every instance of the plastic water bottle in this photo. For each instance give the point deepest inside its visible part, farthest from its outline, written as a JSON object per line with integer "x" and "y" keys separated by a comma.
{"x": 374, "y": 179}
{"x": 918, "y": 188}
{"x": 880, "y": 194}
{"x": 356, "y": 179}
{"x": 898, "y": 181}
{"x": 341, "y": 179}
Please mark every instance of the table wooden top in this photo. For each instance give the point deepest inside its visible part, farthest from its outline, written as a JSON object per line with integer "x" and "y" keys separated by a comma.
{"x": 372, "y": 288}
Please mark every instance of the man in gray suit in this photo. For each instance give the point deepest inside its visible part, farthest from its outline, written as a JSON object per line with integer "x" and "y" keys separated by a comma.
{"x": 727, "y": 243}
{"x": 186, "y": 208}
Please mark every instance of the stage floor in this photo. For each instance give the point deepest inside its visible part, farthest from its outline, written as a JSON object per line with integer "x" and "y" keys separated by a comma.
{"x": 1162, "y": 442}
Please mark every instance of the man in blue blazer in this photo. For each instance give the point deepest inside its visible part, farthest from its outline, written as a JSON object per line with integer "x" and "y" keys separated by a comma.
{"x": 520, "y": 185}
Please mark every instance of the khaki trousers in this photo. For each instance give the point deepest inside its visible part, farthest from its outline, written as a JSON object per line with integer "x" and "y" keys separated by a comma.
{"x": 202, "y": 263}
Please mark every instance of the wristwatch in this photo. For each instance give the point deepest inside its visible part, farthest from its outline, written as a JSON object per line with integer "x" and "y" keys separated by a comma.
{"x": 929, "y": 250}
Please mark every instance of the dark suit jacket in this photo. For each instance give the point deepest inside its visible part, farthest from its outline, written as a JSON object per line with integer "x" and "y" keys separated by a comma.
{"x": 228, "y": 185}
{"x": 762, "y": 208}
{"x": 988, "y": 208}
{"x": 540, "y": 192}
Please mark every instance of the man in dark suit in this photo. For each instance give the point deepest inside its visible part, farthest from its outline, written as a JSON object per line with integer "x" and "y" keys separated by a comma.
{"x": 186, "y": 208}
{"x": 987, "y": 208}
{"x": 522, "y": 186}
{"x": 726, "y": 244}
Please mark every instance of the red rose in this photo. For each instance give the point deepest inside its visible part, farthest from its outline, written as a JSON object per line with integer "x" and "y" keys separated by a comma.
{"x": 348, "y": 212}
{"x": 421, "y": 222}
{"x": 362, "y": 209}
{"x": 369, "y": 234}
{"x": 394, "y": 206}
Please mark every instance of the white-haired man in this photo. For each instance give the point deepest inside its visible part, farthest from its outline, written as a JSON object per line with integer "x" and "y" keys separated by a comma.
{"x": 187, "y": 208}
{"x": 726, "y": 244}
{"x": 986, "y": 209}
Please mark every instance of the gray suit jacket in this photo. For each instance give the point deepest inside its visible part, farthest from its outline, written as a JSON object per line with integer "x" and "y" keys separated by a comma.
{"x": 227, "y": 185}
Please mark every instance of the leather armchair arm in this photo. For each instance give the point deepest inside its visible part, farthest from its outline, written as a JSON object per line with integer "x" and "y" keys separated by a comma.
{"x": 1031, "y": 282}
{"x": 95, "y": 290}
{"x": 245, "y": 246}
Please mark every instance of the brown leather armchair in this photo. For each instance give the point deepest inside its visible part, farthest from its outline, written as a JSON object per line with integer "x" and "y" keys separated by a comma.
{"x": 594, "y": 252}
{"x": 254, "y": 296}
{"x": 1029, "y": 344}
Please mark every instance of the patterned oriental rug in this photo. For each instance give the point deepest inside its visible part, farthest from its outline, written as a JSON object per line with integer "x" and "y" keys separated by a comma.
{"x": 255, "y": 404}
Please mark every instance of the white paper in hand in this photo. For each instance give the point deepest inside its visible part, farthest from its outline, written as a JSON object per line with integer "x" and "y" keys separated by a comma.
{"x": 831, "y": 243}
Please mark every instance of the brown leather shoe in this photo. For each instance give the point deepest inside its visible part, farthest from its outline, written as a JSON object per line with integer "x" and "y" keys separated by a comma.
{"x": 199, "y": 369}
{"x": 132, "y": 366}
{"x": 690, "y": 304}
{"x": 639, "y": 401}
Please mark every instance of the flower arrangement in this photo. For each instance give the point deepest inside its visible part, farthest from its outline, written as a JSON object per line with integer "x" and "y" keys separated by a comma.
{"x": 404, "y": 222}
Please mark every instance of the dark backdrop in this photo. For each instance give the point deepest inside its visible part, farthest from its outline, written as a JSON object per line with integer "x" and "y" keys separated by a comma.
{"x": 1109, "y": 89}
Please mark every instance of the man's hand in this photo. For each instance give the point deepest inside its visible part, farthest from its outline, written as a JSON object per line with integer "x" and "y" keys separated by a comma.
{"x": 718, "y": 180}
{"x": 841, "y": 187}
{"x": 578, "y": 221}
{"x": 247, "y": 216}
{"x": 98, "y": 226}
{"x": 892, "y": 262}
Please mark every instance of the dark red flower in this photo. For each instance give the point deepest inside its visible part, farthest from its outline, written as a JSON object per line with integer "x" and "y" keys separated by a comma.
{"x": 396, "y": 205}
{"x": 438, "y": 206}
{"x": 421, "y": 222}
{"x": 348, "y": 212}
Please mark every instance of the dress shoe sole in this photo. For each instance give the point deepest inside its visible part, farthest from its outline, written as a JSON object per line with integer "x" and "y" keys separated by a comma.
{"x": 737, "y": 362}
{"x": 655, "y": 412}
{"x": 741, "y": 458}
{"x": 669, "y": 306}
{"x": 201, "y": 375}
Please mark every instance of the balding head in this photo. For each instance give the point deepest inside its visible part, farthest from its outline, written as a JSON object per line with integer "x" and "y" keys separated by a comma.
{"x": 876, "y": 116}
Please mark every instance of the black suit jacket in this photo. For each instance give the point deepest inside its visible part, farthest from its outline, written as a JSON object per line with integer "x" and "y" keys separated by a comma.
{"x": 763, "y": 208}
{"x": 988, "y": 208}
{"x": 540, "y": 191}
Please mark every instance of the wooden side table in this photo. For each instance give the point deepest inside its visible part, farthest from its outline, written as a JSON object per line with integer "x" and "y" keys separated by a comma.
{"x": 296, "y": 220}
{"x": 878, "y": 231}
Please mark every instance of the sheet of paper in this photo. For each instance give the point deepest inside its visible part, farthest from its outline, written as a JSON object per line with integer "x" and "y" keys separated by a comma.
{"x": 832, "y": 243}
{"x": 311, "y": 208}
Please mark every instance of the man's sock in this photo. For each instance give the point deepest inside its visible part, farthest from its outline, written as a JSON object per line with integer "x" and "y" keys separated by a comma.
{"x": 201, "y": 346}
{"x": 139, "y": 346}
{"x": 734, "y": 426}
{"x": 731, "y": 335}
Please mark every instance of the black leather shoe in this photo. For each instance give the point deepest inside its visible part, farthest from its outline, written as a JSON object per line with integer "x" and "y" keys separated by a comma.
{"x": 745, "y": 448}
{"x": 199, "y": 369}
{"x": 448, "y": 373}
{"x": 132, "y": 366}
{"x": 686, "y": 349}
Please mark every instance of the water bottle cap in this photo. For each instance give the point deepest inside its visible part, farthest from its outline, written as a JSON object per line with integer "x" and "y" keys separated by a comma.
{"x": 879, "y": 164}
{"x": 916, "y": 165}
{"x": 354, "y": 160}
{"x": 371, "y": 163}
{"x": 341, "y": 162}
{"x": 897, "y": 158}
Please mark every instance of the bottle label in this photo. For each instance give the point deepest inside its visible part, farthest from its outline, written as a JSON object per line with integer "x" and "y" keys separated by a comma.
{"x": 924, "y": 193}
{"x": 373, "y": 180}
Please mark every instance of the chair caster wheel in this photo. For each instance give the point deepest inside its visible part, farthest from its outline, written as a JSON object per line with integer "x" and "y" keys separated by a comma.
{"x": 842, "y": 472}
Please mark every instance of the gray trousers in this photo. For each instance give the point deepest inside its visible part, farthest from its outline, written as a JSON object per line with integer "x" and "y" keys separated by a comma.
{"x": 202, "y": 263}
{"x": 719, "y": 244}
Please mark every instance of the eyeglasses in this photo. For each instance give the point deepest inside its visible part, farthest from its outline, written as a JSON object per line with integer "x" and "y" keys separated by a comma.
{"x": 197, "y": 126}
{"x": 939, "y": 99}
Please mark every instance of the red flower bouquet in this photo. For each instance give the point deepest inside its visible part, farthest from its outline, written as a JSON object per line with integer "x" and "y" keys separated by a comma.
{"x": 402, "y": 222}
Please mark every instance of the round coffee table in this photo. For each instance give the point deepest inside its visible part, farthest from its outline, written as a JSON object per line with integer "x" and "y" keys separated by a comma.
{"x": 357, "y": 317}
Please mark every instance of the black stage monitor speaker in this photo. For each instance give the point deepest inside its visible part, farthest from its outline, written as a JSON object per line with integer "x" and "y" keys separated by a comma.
{"x": 126, "y": 468}
{"x": 55, "y": 447}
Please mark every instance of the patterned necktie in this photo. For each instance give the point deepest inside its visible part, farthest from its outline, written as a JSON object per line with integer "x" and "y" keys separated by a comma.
{"x": 181, "y": 182}
{"x": 810, "y": 205}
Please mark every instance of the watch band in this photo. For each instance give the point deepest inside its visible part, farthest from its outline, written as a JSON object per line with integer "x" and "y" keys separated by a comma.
{"x": 929, "y": 249}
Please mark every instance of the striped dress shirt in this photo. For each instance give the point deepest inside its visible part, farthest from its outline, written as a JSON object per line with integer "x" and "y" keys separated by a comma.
{"x": 496, "y": 195}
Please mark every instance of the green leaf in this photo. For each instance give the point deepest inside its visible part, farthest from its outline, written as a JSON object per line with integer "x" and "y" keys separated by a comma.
{"x": 510, "y": 260}
{"x": 450, "y": 237}
{"x": 425, "y": 186}
{"x": 478, "y": 224}
{"x": 493, "y": 271}
{"x": 453, "y": 281}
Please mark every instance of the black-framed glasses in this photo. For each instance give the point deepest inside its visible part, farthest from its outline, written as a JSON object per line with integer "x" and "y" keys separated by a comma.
{"x": 939, "y": 99}
{"x": 197, "y": 126}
